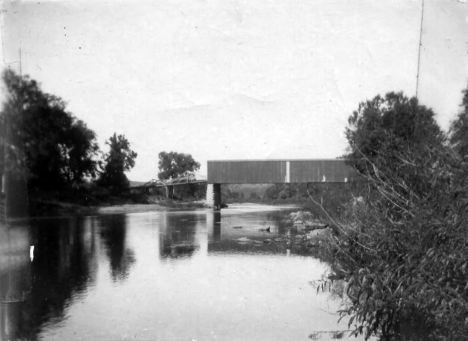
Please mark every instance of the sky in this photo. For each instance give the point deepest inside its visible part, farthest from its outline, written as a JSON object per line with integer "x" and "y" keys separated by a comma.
{"x": 236, "y": 79}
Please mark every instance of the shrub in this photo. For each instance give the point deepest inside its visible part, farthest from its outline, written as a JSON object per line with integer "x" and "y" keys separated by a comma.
{"x": 402, "y": 249}
{"x": 406, "y": 248}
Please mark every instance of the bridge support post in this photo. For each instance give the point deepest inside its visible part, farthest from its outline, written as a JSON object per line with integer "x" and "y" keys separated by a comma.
{"x": 209, "y": 195}
{"x": 213, "y": 196}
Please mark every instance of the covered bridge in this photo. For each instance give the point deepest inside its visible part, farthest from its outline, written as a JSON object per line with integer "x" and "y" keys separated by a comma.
{"x": 274, "y": 171}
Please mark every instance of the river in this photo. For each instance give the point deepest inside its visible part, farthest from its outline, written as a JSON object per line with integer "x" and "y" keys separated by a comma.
{"x": 194, "y": 275}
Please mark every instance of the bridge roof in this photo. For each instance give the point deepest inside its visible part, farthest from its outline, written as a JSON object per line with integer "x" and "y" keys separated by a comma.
{"x": 254, "y": 160}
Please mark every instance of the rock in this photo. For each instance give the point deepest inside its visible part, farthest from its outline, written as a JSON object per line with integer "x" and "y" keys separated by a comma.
{"x": 316, "y": 233}
{"x": 305, "y": 220}
{"x": 292, "y": 215}
{"x": 267, "y": 241}
{"x": 282, "y": 240}
{"x": 307, "y": 237}
{"x": 302, "y": 216}
{"x": 310, "y": 226}
{"x": 243, "y": 240}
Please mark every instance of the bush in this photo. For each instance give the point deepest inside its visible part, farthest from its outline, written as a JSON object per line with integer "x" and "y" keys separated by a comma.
{"x": 406, "y": 248}
{"x": 402, "y": 249}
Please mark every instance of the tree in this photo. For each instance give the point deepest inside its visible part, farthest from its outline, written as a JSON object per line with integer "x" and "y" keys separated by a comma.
{"x": 172, "y": 165}
{"x": 119, "y": 159}
{"x": 58, "y": 150}
{"x": 402, "y": 249}
{"x": 253, "y": 195}
{"x": 384, "y": 126}
{"x": 459, "y": 128}
{"x": 272, "y": 192}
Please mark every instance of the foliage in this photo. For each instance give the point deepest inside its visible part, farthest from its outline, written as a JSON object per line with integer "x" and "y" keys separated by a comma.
{"x": 119, "y": 160}
{"x": 286, "y": 191}
{"x": 190, "y": 191}
{"x": 459, "y": 128}
{"x": 273, "y": 191}
{"x": 58, "y": 150}
{"x": 407, "y": 251}
{"x": 392, "y": 123}
{"x": 253, "y": 195}
{"x": 402, "y": 250}
{"x": 334, "y": 198}
{"x": 173, "y": 165}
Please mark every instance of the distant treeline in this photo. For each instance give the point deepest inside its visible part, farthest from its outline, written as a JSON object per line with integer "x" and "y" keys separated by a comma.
{"x": 46, "y": 146}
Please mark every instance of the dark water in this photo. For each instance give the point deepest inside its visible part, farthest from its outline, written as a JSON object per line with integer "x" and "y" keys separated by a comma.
{"x": 196, "y": 275}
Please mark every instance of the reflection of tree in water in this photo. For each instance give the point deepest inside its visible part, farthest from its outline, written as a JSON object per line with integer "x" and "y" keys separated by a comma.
{"x": 178, "y": 239}
{"x": 64, "y": 265}
{"x": 335, "y": 290}
{"x": 15, "y": 277}
{"x": 333, "y": 334}
{"x": 113, "y": 236}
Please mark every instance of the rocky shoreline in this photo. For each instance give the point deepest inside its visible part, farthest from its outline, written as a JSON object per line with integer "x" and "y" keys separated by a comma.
{"x": 305, "y": 222}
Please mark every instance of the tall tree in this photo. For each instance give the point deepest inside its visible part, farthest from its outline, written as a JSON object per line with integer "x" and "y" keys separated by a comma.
{"x": 402, "y": 249}
{"x": 385, "y": 126}
{"x": 119, "y": 160}
{"x": 172, "y": 165}
{"x": 459, "y": 128}
{"x": 58, "y": 150}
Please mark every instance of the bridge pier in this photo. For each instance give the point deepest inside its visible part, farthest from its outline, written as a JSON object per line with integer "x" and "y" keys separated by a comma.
{"x": 213, "y": 196}
{"x": 209, "y": 195}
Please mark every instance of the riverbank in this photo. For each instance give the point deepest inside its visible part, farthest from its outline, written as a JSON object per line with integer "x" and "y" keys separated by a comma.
{"x": 109, "y": 205}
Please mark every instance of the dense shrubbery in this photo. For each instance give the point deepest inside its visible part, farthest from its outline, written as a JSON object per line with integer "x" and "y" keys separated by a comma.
{"x": 402, "y": 250}
{"x": 334, "y": 198}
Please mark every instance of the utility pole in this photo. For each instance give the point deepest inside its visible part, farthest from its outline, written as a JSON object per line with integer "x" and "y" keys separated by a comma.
{"x": 20, "y": 66}
{"x": 419, "y": 52}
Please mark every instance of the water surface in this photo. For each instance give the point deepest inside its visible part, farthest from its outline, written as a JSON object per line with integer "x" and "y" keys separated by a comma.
{"x": 197, "y": 275}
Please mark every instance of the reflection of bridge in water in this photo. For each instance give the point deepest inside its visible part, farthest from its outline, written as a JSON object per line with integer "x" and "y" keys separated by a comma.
{"x": 208, "y": 233}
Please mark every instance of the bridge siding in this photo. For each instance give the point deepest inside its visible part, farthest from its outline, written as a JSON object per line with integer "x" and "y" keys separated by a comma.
{"x": 274, "y": 171}
{"x": 246, "y": 172}
{"x": 315, "y": 170}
